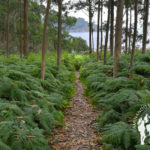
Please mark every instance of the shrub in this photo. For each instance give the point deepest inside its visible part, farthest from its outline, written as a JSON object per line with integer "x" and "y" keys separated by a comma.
{"x": 118, "y": 99}
{"x": 30, "y": 108}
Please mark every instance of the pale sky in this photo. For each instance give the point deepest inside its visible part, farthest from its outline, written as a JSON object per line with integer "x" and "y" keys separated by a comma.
{"x": 84, "y": 13}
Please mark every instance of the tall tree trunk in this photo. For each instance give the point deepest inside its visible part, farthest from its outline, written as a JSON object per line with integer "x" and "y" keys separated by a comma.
{"x": 118, "y": 37}
{"x": 126, "y": 40}
{"x": 7, "y": 32}
{"x": 112, "y": 29}
{"x": 90, "y": 26}
{"x": 145, "y": 25}
{"x": 130, "y": 30}
{"x": 44, "y": 40}
{"x": 25, "y": 46}
{"x": 101, "y": 30}
{"x": 98, "y": 24}
{"x": 20, "y": 37}
{"x": 92, "y": 38}
{"x": 134, "y": 38}
{"x": 59, "y": 33}
{"x": 106, "y": 38}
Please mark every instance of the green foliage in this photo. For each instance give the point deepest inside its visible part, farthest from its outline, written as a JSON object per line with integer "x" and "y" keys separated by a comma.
{"x": 79, "y": 45}
{"x": 142, "y": 147}
{"x": 75, "y": 60}
{"x": 36, "y": 11}
{"x": 30, "y": 108}
{"x": 4, "y": 146}
{"x": 143, "y": 69}
{"x": 118, "y": 100}
{"x": 121, "y": 134}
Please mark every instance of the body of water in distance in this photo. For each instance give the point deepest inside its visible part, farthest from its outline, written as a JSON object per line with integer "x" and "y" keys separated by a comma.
{"x": 85, "y": 36}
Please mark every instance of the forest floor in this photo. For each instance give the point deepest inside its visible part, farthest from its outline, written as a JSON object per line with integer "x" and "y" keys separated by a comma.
{"x": 78, "y": 132}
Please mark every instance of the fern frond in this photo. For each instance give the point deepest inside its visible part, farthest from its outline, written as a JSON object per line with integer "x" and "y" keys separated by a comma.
{"x": 143, "y": 147}
{"x": 3, "y": 146}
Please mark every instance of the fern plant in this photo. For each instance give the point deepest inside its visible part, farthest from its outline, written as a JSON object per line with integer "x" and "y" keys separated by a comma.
{"x": 118, "y": 99}
{"x": 3, "y": 146}
{"x": 142, "y": 147}
{"x": 30, "y": 108}
{"x": 121, "y": 134}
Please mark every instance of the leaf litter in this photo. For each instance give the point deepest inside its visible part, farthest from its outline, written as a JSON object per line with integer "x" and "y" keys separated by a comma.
{"x": 78, "y": 132}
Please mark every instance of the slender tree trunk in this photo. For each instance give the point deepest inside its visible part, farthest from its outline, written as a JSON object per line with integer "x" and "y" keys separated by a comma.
{"x": 126, "y": 40}
{"x": 98, "y": 24}
{"x": 112, "y": 29}
{"x": 101, "y": 30}
{"x": 145, "y": 25}
{"x": 118, "y": 37}
{"x": 59, "y": 33}
{"x": 7, "y": 32}
{"x": 90, "y": 27}
{"x": 25, "y": 46}
{"x": 134, "y": 38}
{"x": 44, "y": 40}
{"x": 92, "y": 38}
{"x": 106, "y": 38}
{"x": 130, "y": 30}
{"x": 20, "y": 38}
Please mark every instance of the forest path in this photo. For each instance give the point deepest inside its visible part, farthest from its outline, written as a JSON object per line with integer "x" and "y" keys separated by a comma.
{"x": 78, "y": 133}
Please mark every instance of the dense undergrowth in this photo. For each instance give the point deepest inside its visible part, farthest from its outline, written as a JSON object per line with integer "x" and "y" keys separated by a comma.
{"x": 119, "y": 100}
{"x": 30, "y": 107}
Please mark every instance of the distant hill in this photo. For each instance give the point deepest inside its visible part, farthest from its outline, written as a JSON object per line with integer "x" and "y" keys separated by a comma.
{"x": 81, "y": 26}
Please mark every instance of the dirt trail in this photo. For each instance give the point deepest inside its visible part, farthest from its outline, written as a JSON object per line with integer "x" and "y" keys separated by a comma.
{"x": 78, "y": 133}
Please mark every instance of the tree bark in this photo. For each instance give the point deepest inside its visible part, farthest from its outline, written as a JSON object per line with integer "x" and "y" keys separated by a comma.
{"x": 92, "y": 38}
{"x": 134, "y": 38}
{"x": 112, "y": 29}
{"x": 130, "y": 30}
{"x": 98, "y": 24}
{"x": 118, "y": 37}
{"x": 44, "y": 40}
{"x": 90, "y": 27}
{"x": 101, "y": 30}
{"x": 7, "y": 32}
{"x": 25, "y": 46}
{"x": 20, "y": 37}
{"x": 59, "y": 34}
{"x": 126, "y": 40}
{"x": 145, "y": 25}
{"x": 106, "y": 38}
